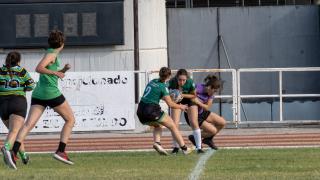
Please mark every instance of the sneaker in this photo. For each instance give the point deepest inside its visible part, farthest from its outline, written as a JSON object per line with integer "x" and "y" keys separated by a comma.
{"x": 159, "y": 149}
{"x": 191, "y": 139}
{"x": 9, "y": 158}
{"x": 24, "y": 158}
{"x": 62, "y": 156}
{"x": 210, "y": 143}
{"x": 200, "y": 151}
{"x": 187, "y": 151}
{"x": 175, "y": 150}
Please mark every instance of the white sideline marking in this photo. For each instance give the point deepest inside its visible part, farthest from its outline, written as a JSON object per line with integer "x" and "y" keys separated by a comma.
{"x": 149, "y": 150}
{"x": 200, "y": 165}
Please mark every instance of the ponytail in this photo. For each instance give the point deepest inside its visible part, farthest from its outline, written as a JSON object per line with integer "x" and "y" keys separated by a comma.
{"x": 212, "y": 81}
{"x": 13, "y": 59}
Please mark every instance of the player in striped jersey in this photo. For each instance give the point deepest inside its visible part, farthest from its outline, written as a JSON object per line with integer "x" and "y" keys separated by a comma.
{"x": 14, "y": 82}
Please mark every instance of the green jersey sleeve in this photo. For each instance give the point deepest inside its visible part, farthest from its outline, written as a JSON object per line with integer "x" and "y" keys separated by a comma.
{"x": 164, "y": 92}
{"x": 28, "y": 82}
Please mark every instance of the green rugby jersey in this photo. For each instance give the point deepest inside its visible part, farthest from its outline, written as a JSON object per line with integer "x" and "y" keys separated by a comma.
{"x": 187, "y": 88}
{"x": 47, "y": 86}
{"x": 18, "y": 84}
{"x": 154, "y": 91}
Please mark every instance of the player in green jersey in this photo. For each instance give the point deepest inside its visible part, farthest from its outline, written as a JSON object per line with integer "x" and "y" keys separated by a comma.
{"x": 14, "y": 82}
{"x": 149, "y": 111}
{"x": 185, "y": 84}
{"x": 47, "y": 94}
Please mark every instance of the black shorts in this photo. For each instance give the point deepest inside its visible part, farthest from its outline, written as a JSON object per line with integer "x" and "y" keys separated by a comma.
{"x": 50, "y": 102}
{"x": 187, "y": 101}
{"x": 201, "y": 117}
{"x": 13, "y": 104}
{"x": 149, "y": 114}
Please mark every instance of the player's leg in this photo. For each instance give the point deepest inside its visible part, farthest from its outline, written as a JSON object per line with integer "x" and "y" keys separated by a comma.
{"x": 168, "y": 122}
{"x": 34, "y": 115}
{"x": 193, "y": 119}
{"x": 65, "y": 111}
{"x": 22, "y": 152}
{"x": 15, "y": 123}
{"x": 157, "y": 131}
{"x": 175, "y": 114}
{"x": 219, "y": 123}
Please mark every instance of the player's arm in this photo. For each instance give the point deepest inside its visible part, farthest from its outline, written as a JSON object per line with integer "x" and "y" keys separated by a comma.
{"x": 45, "y": 61}
{"x": 28, "y": 82}
{"x": 172, "y": 104}
{"x": 191, "y": 95}
{"x": 205, "y": 106}
{"x": 192, "y": 90}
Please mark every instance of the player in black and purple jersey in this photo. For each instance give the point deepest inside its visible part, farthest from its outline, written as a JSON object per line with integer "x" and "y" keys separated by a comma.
{"x": 209, "y": 122}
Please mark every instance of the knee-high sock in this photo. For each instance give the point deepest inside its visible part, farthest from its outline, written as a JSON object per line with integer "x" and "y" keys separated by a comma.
{"x": 197, "y": 138}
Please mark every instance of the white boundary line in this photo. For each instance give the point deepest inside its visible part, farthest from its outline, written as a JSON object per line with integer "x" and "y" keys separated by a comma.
{"x": 196, "y": 172}
{"x": 149, "y": 150}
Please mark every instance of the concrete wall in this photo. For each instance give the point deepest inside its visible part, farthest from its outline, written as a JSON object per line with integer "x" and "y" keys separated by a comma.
{"x": 254, "y": 37}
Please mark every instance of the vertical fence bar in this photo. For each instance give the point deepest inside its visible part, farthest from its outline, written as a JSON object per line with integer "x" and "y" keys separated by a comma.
{"x": 234, "y": 98}
{"x": 280, "y": 96}
{"x": 239, "y": 97}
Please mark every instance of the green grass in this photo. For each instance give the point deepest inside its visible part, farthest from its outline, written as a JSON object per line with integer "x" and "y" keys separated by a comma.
{"x": 302, "y": 163}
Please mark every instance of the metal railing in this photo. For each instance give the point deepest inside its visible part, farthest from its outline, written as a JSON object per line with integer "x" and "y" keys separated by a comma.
{"x": 230, "y": 3}
{"x": 236, "y": 95}
{"x": 280, "y": 94}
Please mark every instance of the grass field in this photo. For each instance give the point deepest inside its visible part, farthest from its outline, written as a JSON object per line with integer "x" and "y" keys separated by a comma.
{"x": 301, "y": 163}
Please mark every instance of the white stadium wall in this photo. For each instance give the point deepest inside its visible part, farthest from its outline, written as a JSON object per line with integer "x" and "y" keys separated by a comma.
{"x": 152, "y": 42}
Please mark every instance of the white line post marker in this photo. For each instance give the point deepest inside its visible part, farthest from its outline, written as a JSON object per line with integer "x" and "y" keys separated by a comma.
{"x": 196, "y": 172}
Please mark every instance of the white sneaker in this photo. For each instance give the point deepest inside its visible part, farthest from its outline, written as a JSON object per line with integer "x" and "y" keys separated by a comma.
{"x": 160, "y": 149}
{"x": 8, "y": 158}
{"x": 188, "y": 151}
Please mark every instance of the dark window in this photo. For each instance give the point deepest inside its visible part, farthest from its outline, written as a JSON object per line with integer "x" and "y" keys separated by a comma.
{"x": 26, "y": 23}
{"x": 176, "y": 3}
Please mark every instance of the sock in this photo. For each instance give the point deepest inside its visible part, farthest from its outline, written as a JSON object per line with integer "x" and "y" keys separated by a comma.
{"x": 7, "y": 145}
{"x": 22, "y": 154}
{"x": 16, "y": 147}
{"x": 158, "y": 143}
{"x": 211, "y": 137}
{"x": 175, "y": 144}
{"x": 197, "y": 137}
{"x": 62, "y": 146}
{"x": 184, "y": 147}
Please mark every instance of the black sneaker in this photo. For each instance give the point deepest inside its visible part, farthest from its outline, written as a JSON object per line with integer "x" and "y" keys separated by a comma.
{"x": 200, "y": 151}
{"x": 191, "y": 139}
{"x": 25, "y": 158}
{"x": 175, "y": 150}
{"x": 209, "y": 141}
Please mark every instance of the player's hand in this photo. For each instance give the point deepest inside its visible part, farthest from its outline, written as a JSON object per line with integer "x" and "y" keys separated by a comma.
{"x": 67, "y": 67}
{"x": 183, "y": 107}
